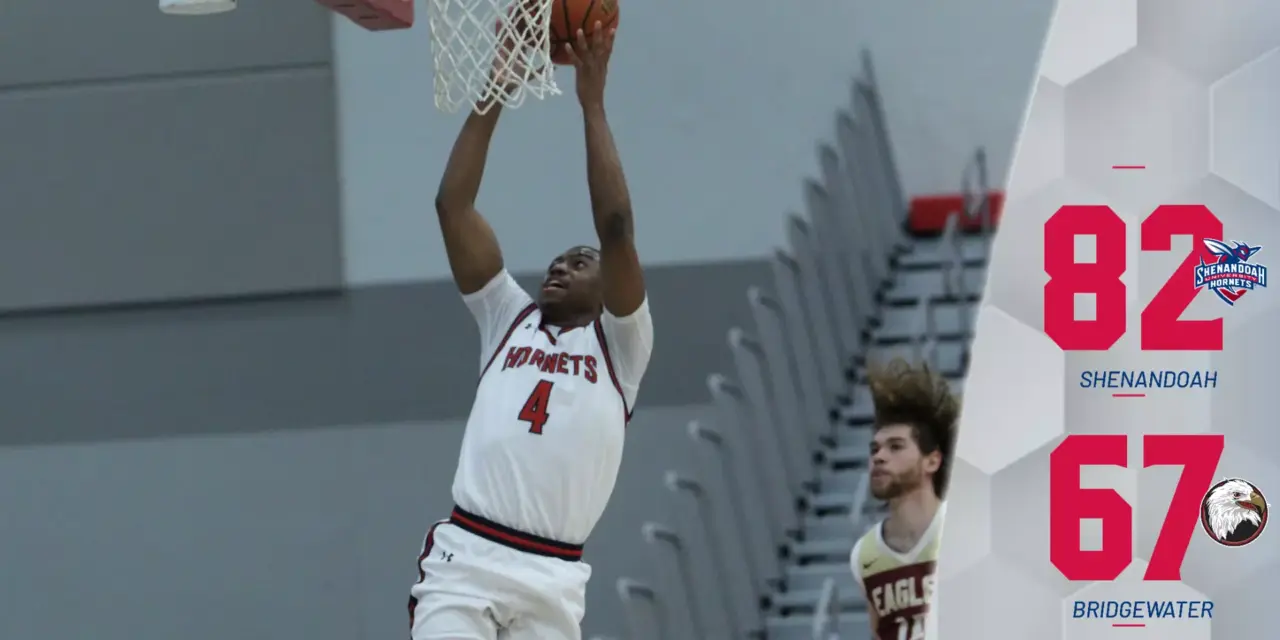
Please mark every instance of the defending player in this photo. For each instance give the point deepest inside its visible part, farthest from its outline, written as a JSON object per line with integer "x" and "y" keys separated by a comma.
{"x": 558, "y": 378}
{"x": 915, "y": 416}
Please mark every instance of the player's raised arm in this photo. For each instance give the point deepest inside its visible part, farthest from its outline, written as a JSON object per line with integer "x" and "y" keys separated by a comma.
{"x": 469, "y": 241}
{"x": 610, "y": 201}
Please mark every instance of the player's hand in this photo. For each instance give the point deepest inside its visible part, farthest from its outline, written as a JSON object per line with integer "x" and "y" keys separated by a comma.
{"x": 590, "y": 57}
{"x": 510, "y": 65}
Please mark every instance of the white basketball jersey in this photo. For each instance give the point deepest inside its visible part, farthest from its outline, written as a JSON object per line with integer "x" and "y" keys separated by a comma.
{"x": 544, "y": 440}
{"x": 899, "y": 586}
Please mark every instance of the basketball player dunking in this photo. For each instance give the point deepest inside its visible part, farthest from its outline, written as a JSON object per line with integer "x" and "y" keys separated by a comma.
{"x": 558, "y": 379}
{"x": 915, "y": 416}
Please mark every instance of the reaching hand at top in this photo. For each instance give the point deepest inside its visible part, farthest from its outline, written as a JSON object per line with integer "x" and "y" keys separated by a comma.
{"x": 590, "y": 57}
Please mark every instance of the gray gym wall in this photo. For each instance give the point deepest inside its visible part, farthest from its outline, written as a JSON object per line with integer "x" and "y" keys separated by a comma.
{"x": 211, "y": 270}
{"x": 148, "y": 158}
{"x": 265, "y": 536}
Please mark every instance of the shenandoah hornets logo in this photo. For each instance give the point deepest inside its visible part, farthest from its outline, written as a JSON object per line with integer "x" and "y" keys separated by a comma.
{"x": 1234, "y": 512}
{"x": 1231, "y": 274}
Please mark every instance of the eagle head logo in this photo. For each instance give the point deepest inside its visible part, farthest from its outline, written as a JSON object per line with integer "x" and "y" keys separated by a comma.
{"x": 1234, "y": 512}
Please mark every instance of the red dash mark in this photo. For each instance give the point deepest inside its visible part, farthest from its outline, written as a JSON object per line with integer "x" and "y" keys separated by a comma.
{"x": 1131, "y": 625}
{"x": 1128, "y": 166}
{"x": 1128, "y": 395}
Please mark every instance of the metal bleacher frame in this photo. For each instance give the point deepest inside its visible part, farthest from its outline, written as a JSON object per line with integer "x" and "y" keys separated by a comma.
{"x": 785, "y": 452}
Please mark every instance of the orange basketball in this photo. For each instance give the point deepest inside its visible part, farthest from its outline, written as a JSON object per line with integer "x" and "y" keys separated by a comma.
{"x": 567, "y": 16}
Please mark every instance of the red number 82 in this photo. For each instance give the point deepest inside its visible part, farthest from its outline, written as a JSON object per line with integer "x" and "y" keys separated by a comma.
{"x": 1161, "y": 328}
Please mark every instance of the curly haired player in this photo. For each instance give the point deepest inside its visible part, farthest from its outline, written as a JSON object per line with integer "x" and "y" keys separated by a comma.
{"x": 915, "y": 421}
{"x": 558, "y": 378}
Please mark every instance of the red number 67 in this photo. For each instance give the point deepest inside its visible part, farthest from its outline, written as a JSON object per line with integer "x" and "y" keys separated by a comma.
{"x": 1069, "y": 504}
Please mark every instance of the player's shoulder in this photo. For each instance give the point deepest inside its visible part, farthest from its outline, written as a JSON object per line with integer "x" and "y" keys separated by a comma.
{"x": 868, "y": 538}
{"x": 930, "y": 551}
{"x": 627, "y": 342}
{"x": 501, "y": 288}
{"x": 638, "y": 316}
{"x": 867, "y": 548}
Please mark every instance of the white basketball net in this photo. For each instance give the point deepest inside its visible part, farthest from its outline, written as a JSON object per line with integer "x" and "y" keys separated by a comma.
{"x": 490, "y": 52}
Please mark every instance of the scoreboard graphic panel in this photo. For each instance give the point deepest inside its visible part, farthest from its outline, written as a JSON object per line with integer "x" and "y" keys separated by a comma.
{"x": 1116, "y": 445}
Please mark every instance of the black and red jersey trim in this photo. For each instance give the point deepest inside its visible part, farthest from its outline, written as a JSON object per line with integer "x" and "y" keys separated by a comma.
{"x": 608, "y": 364}
{"x": 520, "y": 317}
{"x": 427, "y": 545}
{"x": 518, "y": 540}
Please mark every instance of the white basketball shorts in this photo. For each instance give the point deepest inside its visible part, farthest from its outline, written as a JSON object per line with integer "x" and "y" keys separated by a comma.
{"x": 479, "y": 580}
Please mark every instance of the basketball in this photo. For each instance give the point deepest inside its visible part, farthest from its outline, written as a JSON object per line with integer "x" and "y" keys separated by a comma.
{"x": 567, "y": 16}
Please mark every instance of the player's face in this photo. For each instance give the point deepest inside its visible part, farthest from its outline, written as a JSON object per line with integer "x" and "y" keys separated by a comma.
{"x": 897, "y": 465}
{"x": 573, "y": 280}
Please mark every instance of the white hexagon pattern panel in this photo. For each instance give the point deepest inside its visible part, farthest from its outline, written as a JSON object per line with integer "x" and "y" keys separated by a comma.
{"x": 1245, "y": 135}
{"x": 1188, "y": 90}
{"x": 1109, "y": 26}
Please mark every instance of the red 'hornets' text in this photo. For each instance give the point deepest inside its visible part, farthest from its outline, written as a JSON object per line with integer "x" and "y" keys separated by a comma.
{"x": 584, "y": 366}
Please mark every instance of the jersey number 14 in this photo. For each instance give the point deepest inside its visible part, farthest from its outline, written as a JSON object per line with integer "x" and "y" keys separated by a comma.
{"x": 911, "y": 628}
{"x": 534, "y": 410}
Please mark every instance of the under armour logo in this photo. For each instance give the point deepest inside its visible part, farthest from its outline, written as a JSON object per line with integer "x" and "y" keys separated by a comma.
{"x": 528, "y": 326}
{"x": 448, "y": 557}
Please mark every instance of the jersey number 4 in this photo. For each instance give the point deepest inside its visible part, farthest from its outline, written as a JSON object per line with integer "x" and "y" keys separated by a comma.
{"x": 534, "y": 410}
